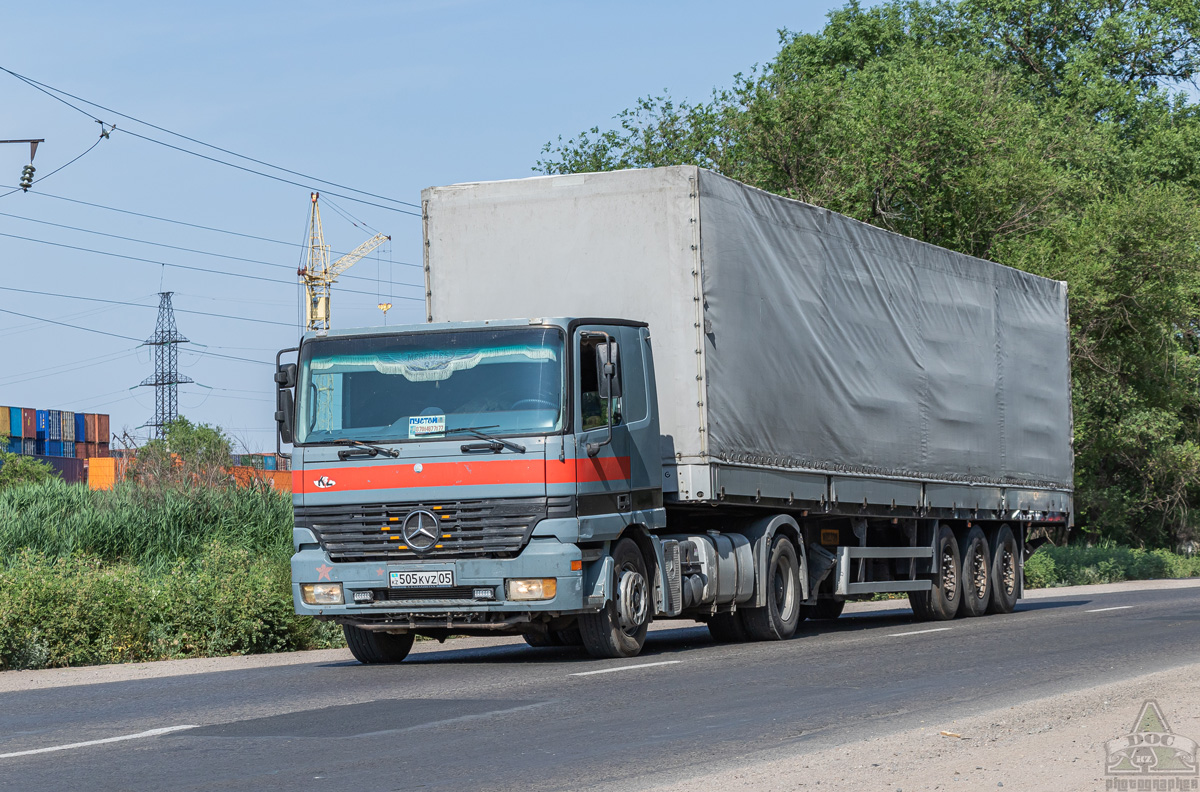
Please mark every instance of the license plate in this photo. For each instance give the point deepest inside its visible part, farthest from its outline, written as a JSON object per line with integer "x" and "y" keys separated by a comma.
{"x": 439, "y": 578}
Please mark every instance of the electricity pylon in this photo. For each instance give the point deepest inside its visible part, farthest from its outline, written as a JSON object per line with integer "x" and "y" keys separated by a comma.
{"x": 166, "y": 379}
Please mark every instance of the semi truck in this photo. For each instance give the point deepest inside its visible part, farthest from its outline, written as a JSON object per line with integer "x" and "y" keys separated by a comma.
{"x": 663, "y": 394}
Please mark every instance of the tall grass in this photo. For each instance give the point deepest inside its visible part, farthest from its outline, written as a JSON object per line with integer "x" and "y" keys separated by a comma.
{"x": 1078, "y": 565}
{"x": 148, "y": 527}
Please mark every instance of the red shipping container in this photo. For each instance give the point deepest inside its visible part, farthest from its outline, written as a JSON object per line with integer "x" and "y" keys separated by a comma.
{"x": 102, "y": 448}
{"x": 81, "y": 451}
{"x": 89, "y": 427}
{"x": 28, "y": 422}
{"x": 102, "y": 428}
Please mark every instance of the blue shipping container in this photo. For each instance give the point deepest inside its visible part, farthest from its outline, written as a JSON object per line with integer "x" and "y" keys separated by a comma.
{"x": 14, "y": 445}
{"x": 54, "y": 448}
{"x": 269, "y": 462}
{"x": 68, "y": 448}
{"x": 41, "y": 448}
{"x": 14, "y": 421}
{"x": 43, "y": 421}
{"x": 28, "y": 446}
{"x": 54, "y": 426}
{"x": 80, "y": 427}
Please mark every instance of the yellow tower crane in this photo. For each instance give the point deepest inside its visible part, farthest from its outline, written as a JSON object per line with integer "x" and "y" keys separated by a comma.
{"x": 319, "y": 275}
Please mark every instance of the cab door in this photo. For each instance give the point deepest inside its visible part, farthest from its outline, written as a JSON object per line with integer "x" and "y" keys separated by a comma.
{"x": 603, "y": 485}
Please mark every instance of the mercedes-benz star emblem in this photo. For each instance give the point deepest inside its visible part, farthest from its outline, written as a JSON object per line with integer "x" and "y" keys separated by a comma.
{"x": 420, "y": 530}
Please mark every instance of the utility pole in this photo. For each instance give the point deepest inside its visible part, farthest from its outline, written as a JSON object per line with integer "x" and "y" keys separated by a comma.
{"x": 166, "y": 379}
{"x": 27, "y": 171}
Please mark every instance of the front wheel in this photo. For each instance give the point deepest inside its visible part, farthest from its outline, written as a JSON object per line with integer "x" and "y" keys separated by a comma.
{"x": 778, "y": 619}
{"x": 619, "y": 630}
{"x": 370, "y": 647}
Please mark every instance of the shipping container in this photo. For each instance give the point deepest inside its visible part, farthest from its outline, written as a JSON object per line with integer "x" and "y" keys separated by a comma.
{"x": 270, "y": 463}
{"x": 28, "y": 423}
{"x": 28, "y": 446}
{"x": 43, "y": 423}
{"x": 14, "y": 421}
{"x": 80, "y": 428}
{"x": 91, "y": 422}
{"x": 40, "y": 447}
{"x": 68, "y": 427}
{"x": 102, "y": 428}
{"x": 54, "y": 448}
{"x": 81, "y": 451}
{"x": 101, "y": 473}
{"x": 68, "y": 449}
{"x": 101, "y": 450}
{"x": 54, "y": 426}
{"x": 5, "y": 419}
{"x": 15, "y": 445}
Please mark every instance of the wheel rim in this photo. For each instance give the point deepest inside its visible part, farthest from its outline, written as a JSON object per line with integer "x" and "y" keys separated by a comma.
{"x": 632, "y": 600}
{"x": 784, "y": 588}
{"x": 979, "y": 571}
{"x": 949, "y": 573}
{"x": 1008, "y": 570}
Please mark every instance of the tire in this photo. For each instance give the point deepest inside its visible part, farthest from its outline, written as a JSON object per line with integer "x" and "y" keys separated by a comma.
{"x": 727, "y": 628}
{"x": 569, "y": 637}
{"x": 778, "y": 619}
{"x": 371, "y": 648}
{"x": 1006, "y": 568}
{"x": 976, "y": 569}
{"x": 941, "y": 602}
{"x": 619, "y": 630}
{"x": 825, "y": 609}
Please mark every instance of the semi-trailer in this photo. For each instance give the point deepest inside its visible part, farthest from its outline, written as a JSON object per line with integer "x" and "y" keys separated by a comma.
{"x": 714, "y": 403}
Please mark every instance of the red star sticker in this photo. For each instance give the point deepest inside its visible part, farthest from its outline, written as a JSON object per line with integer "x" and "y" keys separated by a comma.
{"x": 379, "y": 572}
{"x": 323, "y": 572}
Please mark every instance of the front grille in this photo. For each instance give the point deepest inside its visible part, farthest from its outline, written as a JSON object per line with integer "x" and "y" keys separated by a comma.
{"x": 445, "y": 593}
{"x": 470, "y": 529}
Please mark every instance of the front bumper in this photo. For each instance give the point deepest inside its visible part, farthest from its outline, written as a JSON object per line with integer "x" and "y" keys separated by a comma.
{"x": 542, "y": 557}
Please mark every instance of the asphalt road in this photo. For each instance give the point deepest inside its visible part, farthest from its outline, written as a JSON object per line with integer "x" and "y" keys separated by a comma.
{"x": 512, "y": 717}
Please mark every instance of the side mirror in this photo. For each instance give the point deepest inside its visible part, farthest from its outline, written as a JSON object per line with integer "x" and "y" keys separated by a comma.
{"x": 285, "y": 414}
{"x": 608, "y": 370}
{"x": 285, "y": 376}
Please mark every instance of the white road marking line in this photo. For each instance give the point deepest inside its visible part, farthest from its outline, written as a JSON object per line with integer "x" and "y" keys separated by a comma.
{"x": 625, "y": 668}
{"x": 123, "y": 737}
{"x": 1101, "y": 610}
{"x": 918, "y": 632}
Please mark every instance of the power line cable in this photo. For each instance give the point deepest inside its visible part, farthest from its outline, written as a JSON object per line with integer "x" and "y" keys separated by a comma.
{"x": 66, "y": 324}
{"x": 175, "y": 247}
{"x": 44, "y": 88}
{"x": 54, "y": 93}
{"x": 183, "y": 266}
{"x": 140, "y": 305}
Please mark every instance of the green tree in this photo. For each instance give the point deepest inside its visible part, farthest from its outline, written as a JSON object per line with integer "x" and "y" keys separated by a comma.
{"x": 18, "y": 469}
{"x": 1049, "y": 136}
{"x": 186, "y": 454}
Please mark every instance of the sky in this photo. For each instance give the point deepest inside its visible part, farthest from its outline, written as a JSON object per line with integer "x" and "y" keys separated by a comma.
{"x": 384, "y": 97}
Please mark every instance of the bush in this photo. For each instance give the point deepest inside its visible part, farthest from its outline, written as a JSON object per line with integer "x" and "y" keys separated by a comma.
{"x": 78, "y": 610}
{"x": 1075, "y": 565}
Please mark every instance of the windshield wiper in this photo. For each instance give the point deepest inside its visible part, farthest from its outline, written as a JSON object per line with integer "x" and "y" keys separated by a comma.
{"x": 495, "y": 441}
{"x": 373, "y": 450}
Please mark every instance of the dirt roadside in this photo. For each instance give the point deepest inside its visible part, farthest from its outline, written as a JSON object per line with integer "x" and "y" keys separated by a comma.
{"x": 1054, "y": 744}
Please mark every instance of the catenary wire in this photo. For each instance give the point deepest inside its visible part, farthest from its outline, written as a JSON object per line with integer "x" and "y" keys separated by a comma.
{"x": 46, "y": 89}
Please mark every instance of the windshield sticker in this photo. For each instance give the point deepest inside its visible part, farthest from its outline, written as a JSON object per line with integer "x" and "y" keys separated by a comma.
{"x": 430, "y": 365}
{"x": 425, "y": 425}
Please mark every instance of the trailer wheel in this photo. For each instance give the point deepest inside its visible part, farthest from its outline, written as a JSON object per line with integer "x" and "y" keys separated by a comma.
{"x": 727, "y": 628}
{"x": 825, "y": 609}
{"x": 1005, "y": 571}
{"x": 976, "y": 573}
{"x": 941, "y": 602}
{"x": 619, "y": 630}
{"x": 778, "y": 619}
{"x": 371, "y": 648}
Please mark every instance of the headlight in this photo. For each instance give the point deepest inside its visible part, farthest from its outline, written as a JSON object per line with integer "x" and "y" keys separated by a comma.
{"x": 531, "y": 588}
{"x": 321, "y": 593}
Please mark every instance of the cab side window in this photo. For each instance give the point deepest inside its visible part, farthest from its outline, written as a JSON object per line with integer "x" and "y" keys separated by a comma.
{"x": 592, "y": 408}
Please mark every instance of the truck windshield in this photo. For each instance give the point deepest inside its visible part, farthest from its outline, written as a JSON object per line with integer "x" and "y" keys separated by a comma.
{"x": 416, "y": 386}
